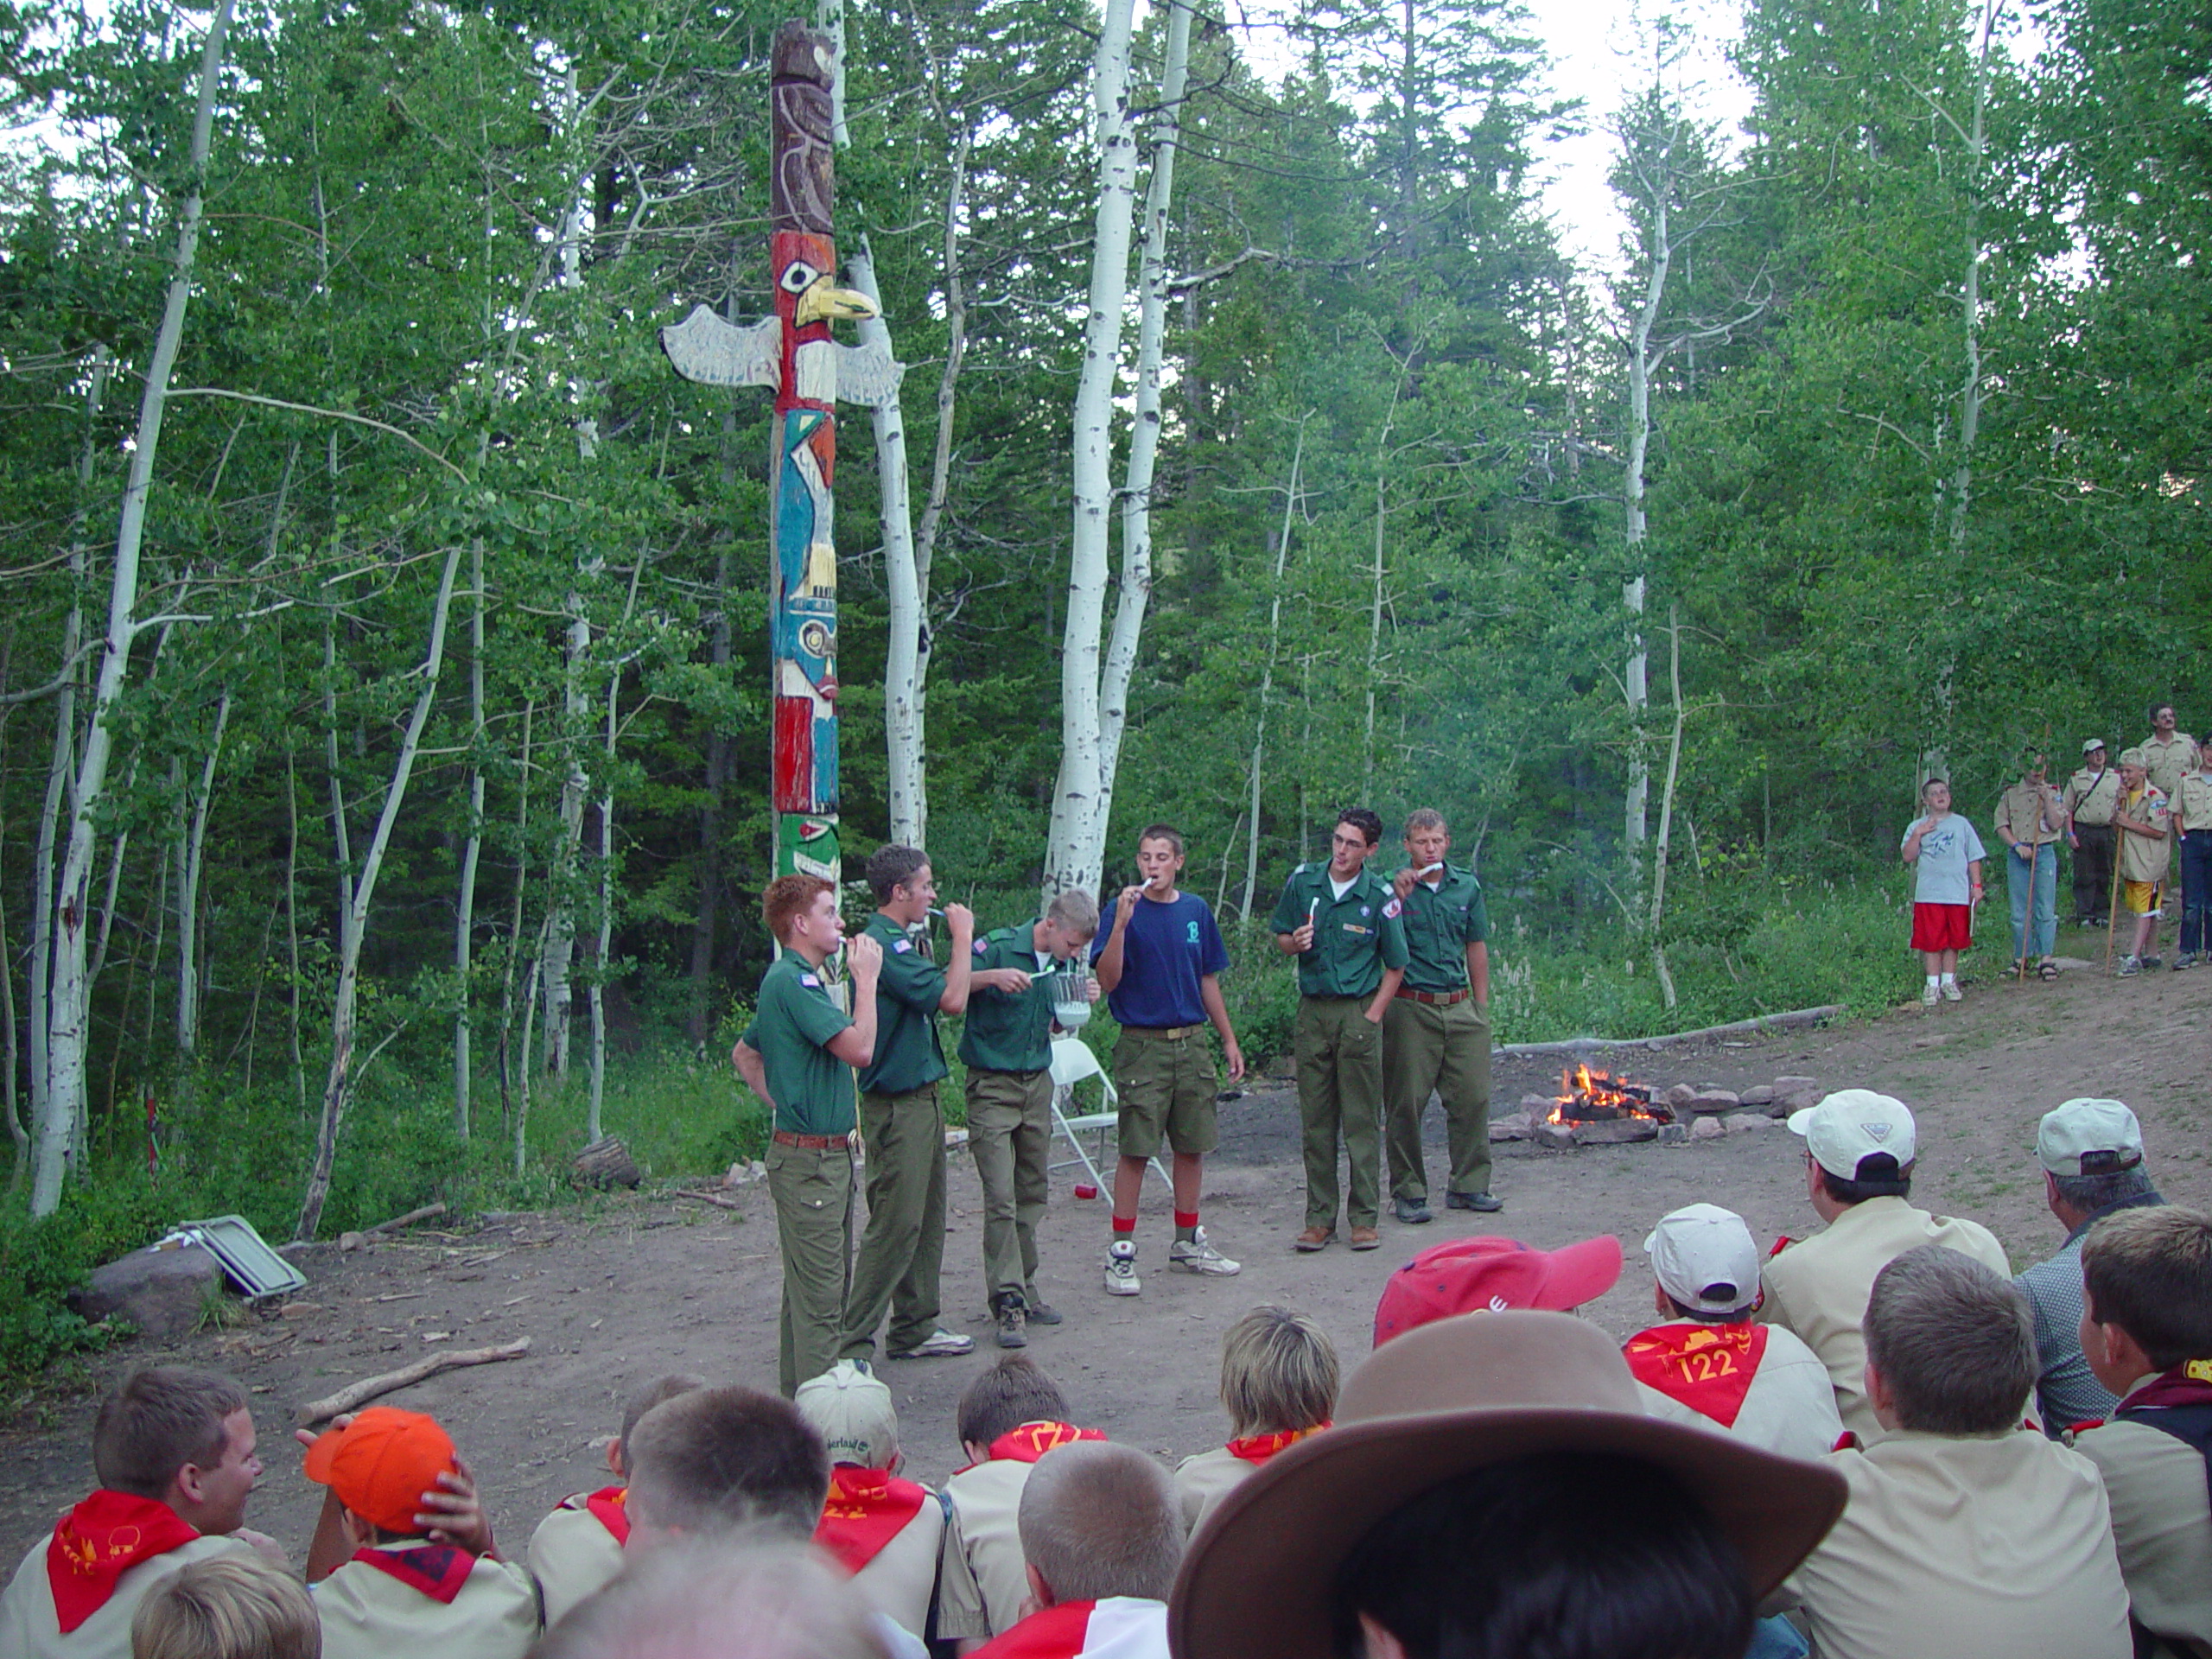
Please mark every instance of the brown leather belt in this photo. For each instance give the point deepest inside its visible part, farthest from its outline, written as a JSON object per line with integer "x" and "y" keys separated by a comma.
{"x": 1441, "y": 999}
{"x": 809, "y": 1142}
{"x": 1167, "y": 1033}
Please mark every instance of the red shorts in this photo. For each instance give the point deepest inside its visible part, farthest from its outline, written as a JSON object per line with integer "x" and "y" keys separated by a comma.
{"x": 1942, "y": 927}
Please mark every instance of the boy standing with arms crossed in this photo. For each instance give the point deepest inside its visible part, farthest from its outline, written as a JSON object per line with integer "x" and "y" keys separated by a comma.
{"x": 1160, "y": 966}
{"x": 797, "y": 1057}
{"x": 1340, "y": 920}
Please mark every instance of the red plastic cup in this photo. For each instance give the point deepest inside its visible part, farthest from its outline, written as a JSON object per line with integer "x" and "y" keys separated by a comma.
{"x": 1085, "y": 1190}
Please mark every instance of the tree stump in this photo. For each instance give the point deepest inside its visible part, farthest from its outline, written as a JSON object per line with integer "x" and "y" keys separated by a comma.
{"x": 606, "y": 1163}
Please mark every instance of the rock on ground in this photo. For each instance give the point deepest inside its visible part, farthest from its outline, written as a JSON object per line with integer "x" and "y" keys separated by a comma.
{"x": 162, "y": 1291}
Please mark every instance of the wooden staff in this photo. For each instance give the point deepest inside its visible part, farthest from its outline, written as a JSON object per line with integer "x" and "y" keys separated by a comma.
{"x": 2111, "y": 902}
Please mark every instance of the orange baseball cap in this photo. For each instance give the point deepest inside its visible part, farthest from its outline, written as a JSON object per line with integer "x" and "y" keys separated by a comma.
{"x": 380, "y": 1465}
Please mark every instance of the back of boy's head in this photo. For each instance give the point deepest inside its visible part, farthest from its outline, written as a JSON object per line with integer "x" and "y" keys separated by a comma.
{"x": 159, "y": 1420}
{"x": 236, "y": 1606}
{"x": 1953, "y": 1342}
{"x": 1012, "y": 1392}
{"x": 890, "y": 868}
{"x": 1101, "y": 1520}
{"x": 743, "y": 1596}
{"x": 1279, "y": 1372}
{"x": 716, "y": 1459}
{"x": 2149, "y": 1272}
{"x": 660, "y": 1388}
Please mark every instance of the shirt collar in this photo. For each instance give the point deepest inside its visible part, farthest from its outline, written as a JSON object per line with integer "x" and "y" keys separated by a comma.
{"x": 2134, "y": 1203}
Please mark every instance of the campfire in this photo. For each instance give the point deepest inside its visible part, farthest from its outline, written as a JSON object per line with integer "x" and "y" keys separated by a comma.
{"x": 1587, "y": 1096}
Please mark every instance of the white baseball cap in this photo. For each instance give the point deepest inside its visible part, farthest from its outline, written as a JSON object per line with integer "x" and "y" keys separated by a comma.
{"x": 1852, "y": 1124}
{"x": 2090, "y": 745}
{"x": 853, "y": 1414}
{"x": 1704, "y": 1258}
{"x": 2084, "y": 1128}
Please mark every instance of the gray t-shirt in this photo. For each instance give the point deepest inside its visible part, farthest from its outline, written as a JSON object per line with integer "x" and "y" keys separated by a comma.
{"x": 1945, "y": 852}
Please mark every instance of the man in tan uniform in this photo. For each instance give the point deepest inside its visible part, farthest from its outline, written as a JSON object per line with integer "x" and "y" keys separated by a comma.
{"x": 578, "y": 1547}
{"x": 174, "y": 1451}
{"x": 2148, "y": 1275}
{"x": 2091, "y": 793}
{"x": 1859, "y": 1148}
{"x": 2167, "y": 754}
{"x": 885, "y": 1531}
{"x": 1963, "y": 1534}
{"x": 1010, "y": 1416}
{"x": 2030, "y": 818}
{"x": 399, "y": 1593}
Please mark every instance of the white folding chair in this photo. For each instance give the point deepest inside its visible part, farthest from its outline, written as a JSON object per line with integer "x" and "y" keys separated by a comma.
{"x": 1072, "y": 1062}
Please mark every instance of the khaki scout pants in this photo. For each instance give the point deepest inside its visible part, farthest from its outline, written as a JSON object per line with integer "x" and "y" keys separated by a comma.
{"x": 1010, "y": 1132}
{"x": 813, "y": 1193}
{"x": 904, "y": 1246}
{"x": 1340, "y": 1093}
{"x": 1428, "y": 1047}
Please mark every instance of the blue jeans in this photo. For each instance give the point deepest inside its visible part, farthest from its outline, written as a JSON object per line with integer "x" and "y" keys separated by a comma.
{"x": 2197, "y": 891}
{"x": 2043, "y": 886}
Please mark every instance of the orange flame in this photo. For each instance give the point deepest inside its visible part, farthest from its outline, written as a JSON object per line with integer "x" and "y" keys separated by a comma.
{"x": 1580, "y": 1083}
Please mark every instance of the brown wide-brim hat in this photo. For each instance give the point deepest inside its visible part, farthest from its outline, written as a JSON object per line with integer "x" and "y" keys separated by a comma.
{"x": 1441, "y": 1401}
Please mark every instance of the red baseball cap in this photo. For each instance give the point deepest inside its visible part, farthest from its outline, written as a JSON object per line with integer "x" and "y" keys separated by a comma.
{"x": 380, "y": 1465}
{"x": 1485, "y": 1274}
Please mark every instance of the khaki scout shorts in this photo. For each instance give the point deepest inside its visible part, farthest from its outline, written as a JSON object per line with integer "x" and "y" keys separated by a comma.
{"x": 1166, "y": 1082}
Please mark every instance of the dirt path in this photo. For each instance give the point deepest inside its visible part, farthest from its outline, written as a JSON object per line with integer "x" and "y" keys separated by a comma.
{"x": 641, "y": 1287}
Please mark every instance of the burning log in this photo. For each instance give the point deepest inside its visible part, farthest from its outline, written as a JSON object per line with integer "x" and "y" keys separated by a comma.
{"x": 1588, "y": 1096}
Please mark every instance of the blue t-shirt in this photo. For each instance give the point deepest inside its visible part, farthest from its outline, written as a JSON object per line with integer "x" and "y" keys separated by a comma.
{"x": 1167, "y": 950}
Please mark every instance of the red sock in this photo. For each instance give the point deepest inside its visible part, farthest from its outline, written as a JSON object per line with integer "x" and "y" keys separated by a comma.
{"x": 1124, "y": 1225}
{"x": 1186, "y": 1217}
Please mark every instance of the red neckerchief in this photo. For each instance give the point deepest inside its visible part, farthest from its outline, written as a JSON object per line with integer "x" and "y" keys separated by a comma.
{"x": 865, "y": 1511}
{"x": 2189, "y": 1383}
{"x": 610, "y": 1507}
{"x": 1057, "y": 1632}
{"x": 1707, "y": 1367}
{"x": 99, "y": 1540}
{"x": 1033, "y": 1440}
{"x": 437, "y": 1570}
{"x": 1258, "y": 1448}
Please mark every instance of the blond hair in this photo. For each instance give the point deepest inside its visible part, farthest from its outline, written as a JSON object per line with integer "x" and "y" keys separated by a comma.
{"x": 235, "y": 1606}
{"x": 1076, "y": 911}
{"x": 1278, "y": 1372}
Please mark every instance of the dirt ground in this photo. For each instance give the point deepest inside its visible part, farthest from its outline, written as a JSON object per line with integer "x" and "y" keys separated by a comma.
{"x": 643, "y": 1285}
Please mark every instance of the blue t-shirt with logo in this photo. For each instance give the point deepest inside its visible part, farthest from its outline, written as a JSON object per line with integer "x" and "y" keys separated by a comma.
{"x": 1167, "y": 950}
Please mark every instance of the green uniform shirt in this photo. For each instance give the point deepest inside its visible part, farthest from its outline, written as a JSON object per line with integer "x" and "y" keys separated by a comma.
{"x": 907, "y": 1052}
{"x": 1355, "y": 938}
{"x": 791, "y": 1031}
{"x": 1009, "y": 1031}
{"x": 1439, "y": 927}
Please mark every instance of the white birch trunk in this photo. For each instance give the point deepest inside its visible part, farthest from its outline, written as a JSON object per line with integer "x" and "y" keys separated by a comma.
{"x": 1970, "y": 389}
{"x": 1267, "y": 673}
{"x": 1068, "y": 859}
{"x": 69, "y": 1011}
{"x": 339, "y": 1084}
{"x": 1144, "y": 433}
{"x": 1666, "y": 812}
{"x": 187, "y": 911}
{"x": 1636, "y": 681}
{"x": 560, "y": 947}
{"x": 464, "y": 922}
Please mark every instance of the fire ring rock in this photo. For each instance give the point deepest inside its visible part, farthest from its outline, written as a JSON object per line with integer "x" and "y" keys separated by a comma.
{"x": 1614, "y": 1130}
{"x": 162, "y": 1291}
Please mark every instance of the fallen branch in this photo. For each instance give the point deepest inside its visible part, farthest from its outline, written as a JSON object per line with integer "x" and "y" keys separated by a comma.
{"x": 709, "y": 1197}
{"x": 356, "y": 1393}
{"x": 408, "y": 1220}
{"x": 1797, "y": 1018}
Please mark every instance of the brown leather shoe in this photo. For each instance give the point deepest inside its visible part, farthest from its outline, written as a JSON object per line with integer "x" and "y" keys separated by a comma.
{"x": 1365, "y": 1238}
{"x": 1314, "y": 1239}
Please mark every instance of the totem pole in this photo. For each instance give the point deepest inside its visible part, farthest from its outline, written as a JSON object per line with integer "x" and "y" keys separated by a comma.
{"x": 793, "y": 352}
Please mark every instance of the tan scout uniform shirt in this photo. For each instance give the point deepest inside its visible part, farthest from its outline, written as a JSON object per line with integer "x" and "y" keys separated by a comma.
{"x": 572, "y": 1555}
{"x": 2145, "y": 858}
{"x": 2161, "y": 1520}
{"x": 1818, "y": 1288}
{"x": 2166, "y": 762}
{"x": 2192, "y": 802}
{"x": 898, "y": 1582}
{"x": 983, "y": 1578}
{"x": 2016, "y": 812}
{"x": 368, "y": 1614}
{"x": 1965, "y": 1548}
{"x": 1789, "y": 1408}
{"x": 29, "y": 1629}
{"x": 2090, "y": 795}
{"x": 1204, "y": 1480}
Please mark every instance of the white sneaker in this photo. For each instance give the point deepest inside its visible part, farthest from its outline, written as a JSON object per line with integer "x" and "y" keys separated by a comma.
{"x": 1928, "y": 996}
{"x": 1950, "y": 990}
{"x": 1122, "y": 1269}
{"x": 1198, "y": 1256}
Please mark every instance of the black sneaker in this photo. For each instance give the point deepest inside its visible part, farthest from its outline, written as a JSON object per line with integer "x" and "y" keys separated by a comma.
{"x": 1482, "y": 1201}
{"x": 1012, "y": 1330}
{"x": 1411, "y": 1211}
{"x": 1040, "y": 1314}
